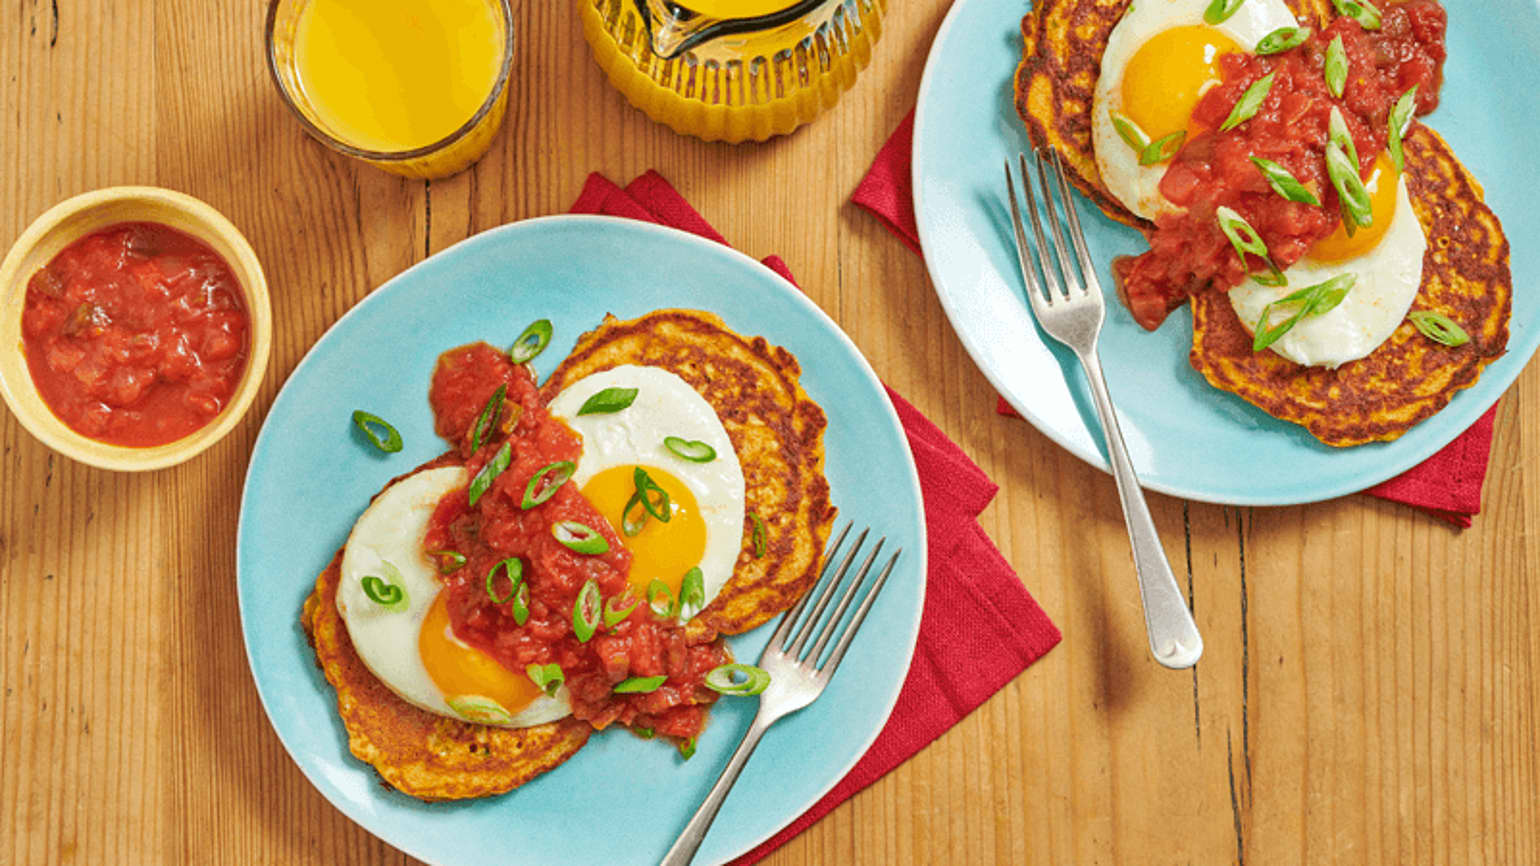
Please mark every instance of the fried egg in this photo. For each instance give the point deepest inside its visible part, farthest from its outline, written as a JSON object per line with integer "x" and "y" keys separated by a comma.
{"x": 409, "y": 645}
{"x": 706, "y": 498}
{"x": 1160, "y": 58}
{"x": 1386, "y": 257}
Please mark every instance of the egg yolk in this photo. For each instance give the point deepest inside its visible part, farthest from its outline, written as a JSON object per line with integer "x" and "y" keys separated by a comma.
{"x": 660, "y": 551}
{"x": 1168, "y": 74}
{"x": 460, "y": 669}
{"x": 1381, "y": 185}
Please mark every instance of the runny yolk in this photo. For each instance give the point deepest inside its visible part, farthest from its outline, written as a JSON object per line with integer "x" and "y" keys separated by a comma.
{"x": 459, "y": 669}
{"x": 660, "y": 551}
{"x": 1381, "y": 185}
{"x": 1166, "y": 76}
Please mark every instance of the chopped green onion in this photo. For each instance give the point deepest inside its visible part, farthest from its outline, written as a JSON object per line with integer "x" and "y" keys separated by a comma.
{"x": 387, "y": 591}
{"x": 1282, "y": 40}
{"x": 725, "y": 679}
{"x": 548, "y": 677}
{"x": 608, "y": 400}
{"x": 614, "y": 616}
{"x": 1400, "y": 119}
{"x": 759, "y": 535}
{"x": 1312, "y": 300}
{"x": 449, "y": 561}
{"x": 1220, "y": 11}
{"x": 587, "y": 611}
{"x": 520, "y": 603}
{"x": 1439, "y": 328}
{"x": 638, "y": 685}
{"x": 644, "y": 487}
{"x": 531, "y": 343}
{"x": 1129, "y": 131}
{"x": 1356, "y": 207}
{"x": 493, "y": 468}
{"x": 1163, "y": 148}
{"x": 644, "y": 733}
{"x": 687, "y": 748}
{"x": 390, "y": 443}
{"x": 513, "y": 571}
{"x": 1337, "y": 131}
{"x": 1245, "y": 240}
{"x": 1283, "y": 183}
{"x": 1336, "y": 68}
{"x": 630, "y": 526}
{"x": 1361, "y": 11}
{"x": 479, "y": 709}
{"x": 1250, "y": 102}
{"x": 692, "y": 593}
{"x": 659, "y": 590}
{"x": 579, "y": 537}
{"x": 692, "y": 450}
{"x": 535, "y": 493}
{"x": 488, "y": 417}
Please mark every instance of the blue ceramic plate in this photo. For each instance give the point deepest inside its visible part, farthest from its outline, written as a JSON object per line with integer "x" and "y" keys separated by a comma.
{"x": 1187, "y": 438}
{"x": 620, "y": 799}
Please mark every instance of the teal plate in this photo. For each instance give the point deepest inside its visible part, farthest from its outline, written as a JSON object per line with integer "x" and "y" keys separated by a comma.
{"x": 1185, "y": 437}
{"x": 620, "y": 799}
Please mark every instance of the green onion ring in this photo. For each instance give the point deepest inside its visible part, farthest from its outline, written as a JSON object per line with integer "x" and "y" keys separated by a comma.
{"x": 548, "y": 677}
{"x": 1245, "y": 240}
{"x": 1356, "y": 206}
{"x": 387, "y": 595}
{"x": 587, "y": 611}
{"x": 520, "y": 603}
{"x": 1313, "y": 301}
{"x": 531, "y": 343}
{"x": 1284, "y": 183}
{"x": 478, "y": 708}
{"x": 579, "y": 537}
{"x": 493, "y": 468}
{"x": 656, "y": 590}
{"x": 1337, "y": 131}
{"x": 607, "y": 401}
{"x": 758, "y": 535}
{"x": 644, "y": 733}
{"x": 644, "y": 486}
{"x": 1400, "y": 118}
{"x": 1163, "y": 148}
{"x": 1336, "y": 68}
{"x": 1129, "y": 131}
{"x": 535, "y": 494}
{"x": 513, "y": 569}
{"x": 1219, "y": 11}
{"x": 1250, "y": 102}
{"x": 692, "y": 593}
{"x": 1439, "y": 328}
{"x": 692, "y": 450}
{"x": 631, "y": 528}
{"x": 722, "y": 679}
{"x": 456, "y": 560}
{"x": 1282, "y": 40}
{"x": 488, "y": 416}
{"x": 638, "y": 685}
{"x": 392, "y": 441}
{"x": 614, "y": 616}
{"x": 1362, "y": 11}
{"x": 687, "y": 748}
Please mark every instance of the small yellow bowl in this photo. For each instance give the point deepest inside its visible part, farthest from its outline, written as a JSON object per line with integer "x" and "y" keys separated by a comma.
{"x": 75, "y": 218}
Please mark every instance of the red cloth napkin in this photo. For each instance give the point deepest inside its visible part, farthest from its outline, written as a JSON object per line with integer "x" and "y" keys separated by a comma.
{"x": 1446, "y": 485}
{"x": 979, "y": 629}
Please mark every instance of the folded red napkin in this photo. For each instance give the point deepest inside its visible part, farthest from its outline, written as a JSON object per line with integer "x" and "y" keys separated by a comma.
{"x": 1446, "y": 485}
{"x": 979, "y": 629}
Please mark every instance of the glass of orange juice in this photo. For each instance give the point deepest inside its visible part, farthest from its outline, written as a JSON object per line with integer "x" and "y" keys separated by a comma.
{"x": 731, "y": 70}
{"x": 415, "y": 87}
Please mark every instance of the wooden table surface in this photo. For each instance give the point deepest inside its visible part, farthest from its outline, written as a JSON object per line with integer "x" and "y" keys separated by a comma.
{"x": 1368, "y": 691}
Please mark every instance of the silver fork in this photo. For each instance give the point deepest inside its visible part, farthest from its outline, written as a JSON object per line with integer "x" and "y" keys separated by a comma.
{"x": 1071, "y": 311}
{"x": 796, "y": 677}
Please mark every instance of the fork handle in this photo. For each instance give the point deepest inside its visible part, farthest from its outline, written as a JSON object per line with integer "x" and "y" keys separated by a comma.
{"x": 695, "y": 832}
{"x": 1174, "y": 638}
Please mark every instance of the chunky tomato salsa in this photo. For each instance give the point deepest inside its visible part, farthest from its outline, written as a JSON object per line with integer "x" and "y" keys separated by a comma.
{"x": 1189, "y": 252}
{"x": 136, "y": 334}
{"x": 538, "y": 625}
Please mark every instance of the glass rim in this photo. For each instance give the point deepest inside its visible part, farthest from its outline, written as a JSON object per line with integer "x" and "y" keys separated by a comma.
{"x": 498, "y": 86}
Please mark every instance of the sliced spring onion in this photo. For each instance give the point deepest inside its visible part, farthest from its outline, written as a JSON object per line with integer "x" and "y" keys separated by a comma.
{"x": 389, "y": 440}
{"x": 1219, "y": 11}
{"x": 449, "y": 561}
{"x": 1245, "y": 240}
{"x": 608, "y": 400}
{"x": 631, "y": 525}
{"x": 638, "y": 685}
{"x": 513, "y": 571}
{"x": 692, "y": 593}
{"x": 493, "y": 468}
{"x": 614, "y": 616}
{"x": 1400, "y": 119}
{"x": 738, "y": 679}
{"x": 1282, "y": 40}
{"x": 687, "y": 748}
{"x": 479, "y": 708}
{"x": 587, "y": 611}
{"x": 1336, "y": 68}
{"x": 531, "y": 343}
{"x": 1439, "y": 328}
{"x": 1362, "y": 11}
{"x": 759, "y": 535}
{"x": 692, "y": 450}
{"x": 656, "y": 591}
{"x": 1250, "y": 102}
{"x": 1337, "y": 131}
{"x": 1129, "y": 131}
{"x": 1312, "y": 300}
{"x": 644, "y": 733}
{"x": 520, "y": 603}
{"x": 1284, "y": 183}
{"x": 389, "y": 591}
{"x": 1356, "y": 207}
{"x": 1163, "y": 148}
{"x": 657, "y": 507}
{"x": 579, "y": 537}
{"x": 548, "y": 677}
{"x": 488, "y": 417}
{"x": 540, "y": 488}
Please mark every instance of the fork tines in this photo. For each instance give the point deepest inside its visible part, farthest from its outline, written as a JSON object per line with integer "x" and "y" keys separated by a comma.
{"x": 1076, "y": 282}
{"x": 827, "y": 627}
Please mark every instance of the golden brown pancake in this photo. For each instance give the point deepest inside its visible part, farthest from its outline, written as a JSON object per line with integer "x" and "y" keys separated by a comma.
{"x": 428, "y": 756}
{"x": 775, "y": 428}
{"x": 1465, "y": 276}
{"x": 1063, "y": 41}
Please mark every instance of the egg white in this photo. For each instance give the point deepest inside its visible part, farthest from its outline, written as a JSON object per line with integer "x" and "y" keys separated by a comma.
{"x": 665, "y": 405}
{"x": 1389, "y": 276}
{"x": 392, "y": 530}
{"x": 1138, "y": 186}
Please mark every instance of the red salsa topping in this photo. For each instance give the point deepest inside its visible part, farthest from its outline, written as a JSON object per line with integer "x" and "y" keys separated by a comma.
{"x": 1188, "y": 251}
{"x": 136, "y": 334}
{"x": 498, "y": 527}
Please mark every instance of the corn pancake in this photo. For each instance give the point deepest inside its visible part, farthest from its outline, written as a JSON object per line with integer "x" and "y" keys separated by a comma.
{"x": 1465, "y": 276}
{"x": 427, "y": 756}
{"x": 1063, "y": 42}
{"x": 775, "y": 428}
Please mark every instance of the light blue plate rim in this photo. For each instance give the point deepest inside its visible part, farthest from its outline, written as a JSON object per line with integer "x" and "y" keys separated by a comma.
{"x": 967, "y": 75}
{"x": 907, "y": 582}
